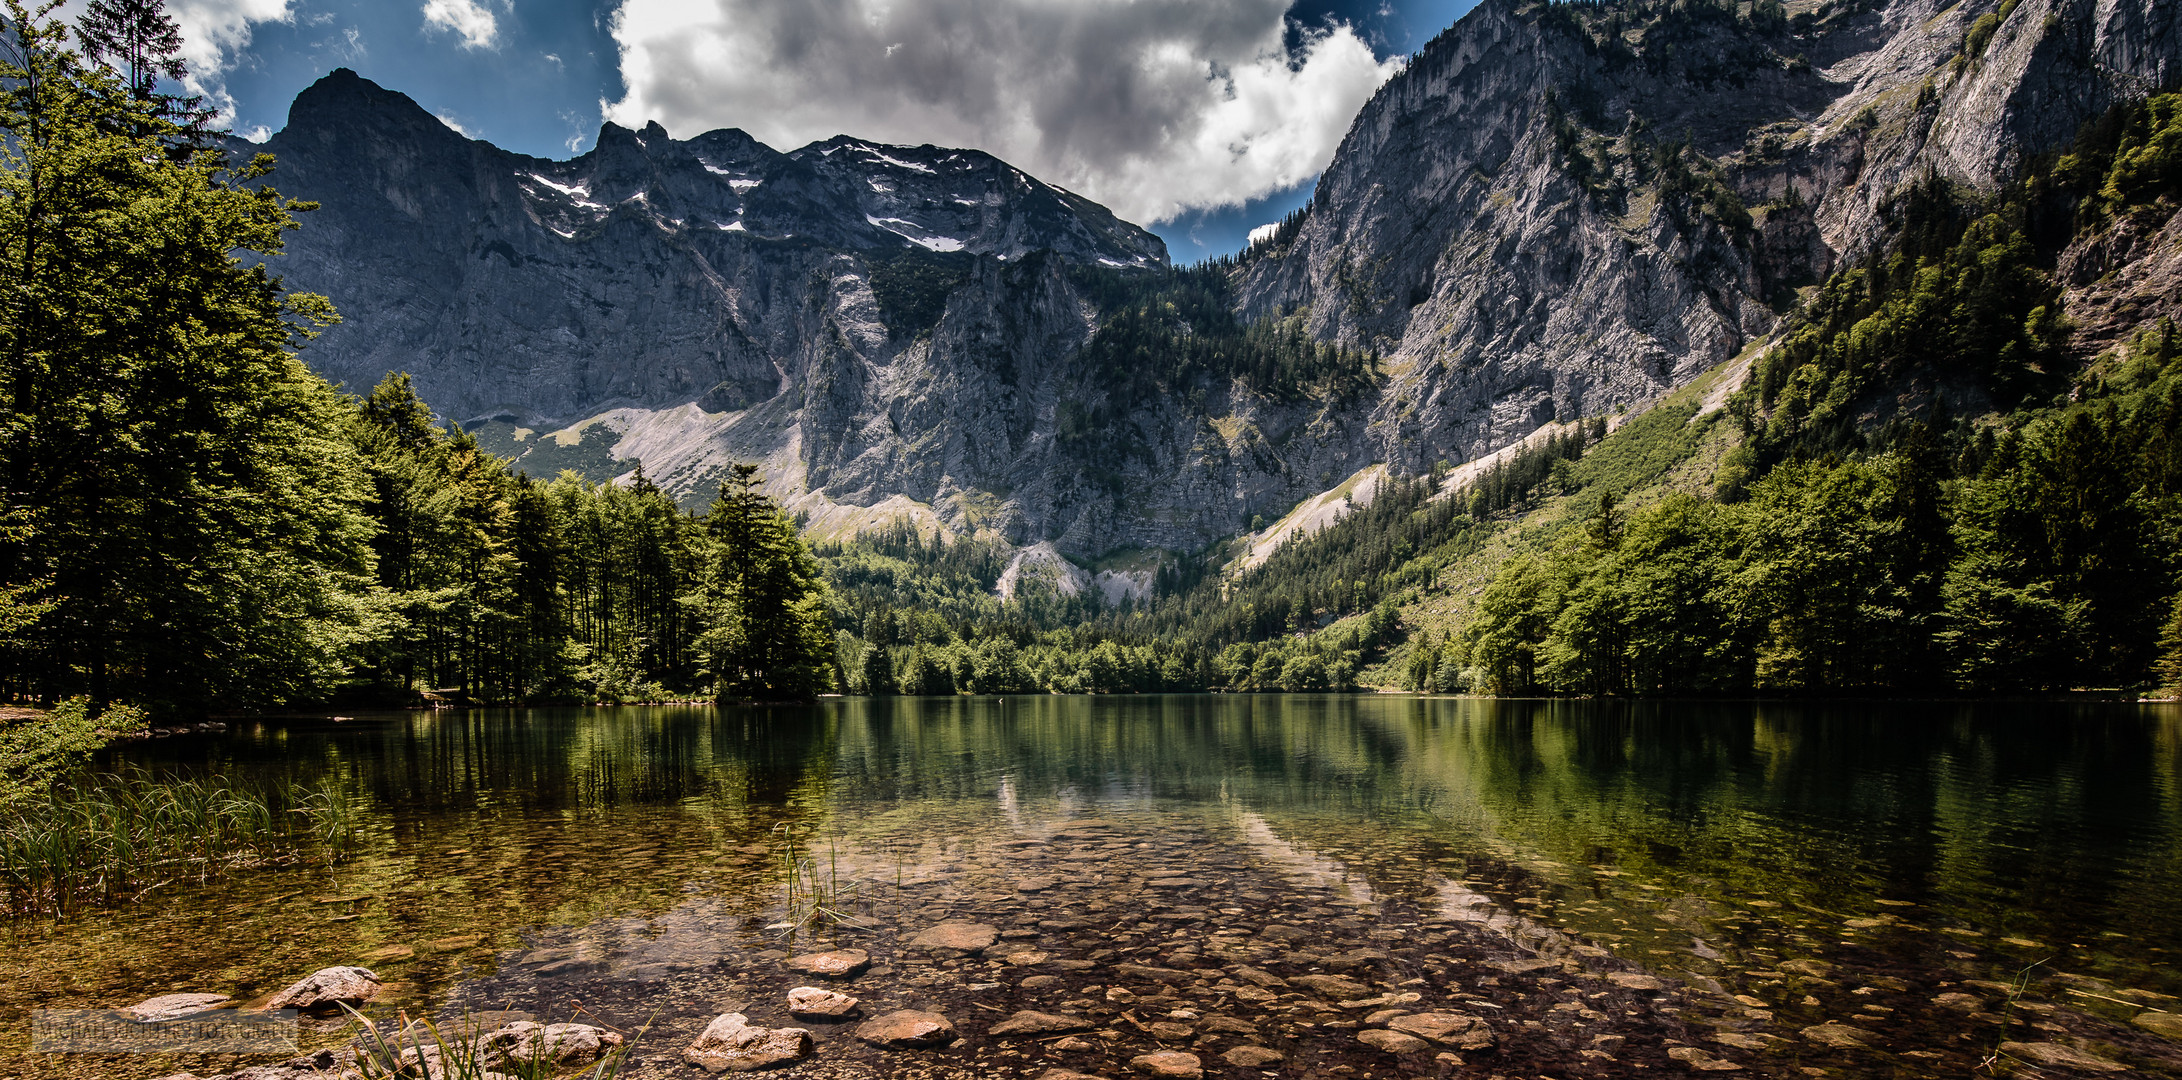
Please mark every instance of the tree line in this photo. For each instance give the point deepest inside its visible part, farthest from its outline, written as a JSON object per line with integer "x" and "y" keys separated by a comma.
{"x": 192, "y": 518}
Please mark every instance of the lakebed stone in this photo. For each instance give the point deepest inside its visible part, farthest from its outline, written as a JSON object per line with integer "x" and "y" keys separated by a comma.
{"x": 1459, "y": 1030}
{"x": 1169, "y": 1065}
{"x": 174, "y": 1006}
{"x": 1253, "y": 1057}
{"x": 328, "y": 989}
{"x": 1392, "y": 1042}
{"x": 813, "y": 1002}
{"x": 906, "y": 1029}
{"x": 955, "y": 936}
{"x": 1028, "y": 1022}
{"x": 2058, "y": 1056}
{"x": 834, "y": 964}
{"x": 732, "y": 1044}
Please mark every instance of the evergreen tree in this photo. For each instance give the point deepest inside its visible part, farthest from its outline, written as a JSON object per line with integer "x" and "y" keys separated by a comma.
{"x": 191, "y": 497}
{"x": 766, "y": 637}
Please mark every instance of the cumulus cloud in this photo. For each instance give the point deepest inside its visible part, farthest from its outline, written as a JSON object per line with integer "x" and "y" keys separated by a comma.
{"x": 214, "y": 34}
{"x": 478, "y": 27}
{"x": 1153, "y": 107}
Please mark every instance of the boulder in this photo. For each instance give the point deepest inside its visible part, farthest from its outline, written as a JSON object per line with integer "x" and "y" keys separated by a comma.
{"x": 956, "y": 936}
{"x": 328, "y": 989}
{"x": 1028, "y": 1022}
{"x": 174, "y": 1007}
{"x": 732, "y": 1044}
{"x": 810, "y": 1001}
{"x": 1169, "y": 1065}
{"x": 906, "y": 1029}
{"x": 837, "y": 964}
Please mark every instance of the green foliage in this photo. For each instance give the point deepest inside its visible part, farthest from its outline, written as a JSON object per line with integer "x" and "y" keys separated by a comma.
{"x": 194, "y": 512}
{"x": 40, "y": 751}
{"x": 1964, "y": 301}
{"x": 767, "y": 636}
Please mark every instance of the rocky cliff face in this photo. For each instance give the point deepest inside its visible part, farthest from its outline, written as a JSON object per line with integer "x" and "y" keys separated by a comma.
{"x": 1559, "y": 211}
{"x": 1555, "y": 211}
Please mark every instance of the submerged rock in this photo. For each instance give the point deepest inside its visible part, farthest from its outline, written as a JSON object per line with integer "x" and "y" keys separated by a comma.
{"x": 1169, "y": 1065}
{"x": 327, "y": 989}
{"x": 1028, "y": 1022}
{"x": 2057, "y": 1056}
{"x": 1459, "y": 1030}
{"x": 1392, "y": 1042}
{"x": 956, "y": 936}
{"x": 836, "y": 964}
{"x": 732, "y": 1044}
{"x": 174, "y": 1006}
{"x": 907, "y": 1029}
{"x": 811, "y": 1001}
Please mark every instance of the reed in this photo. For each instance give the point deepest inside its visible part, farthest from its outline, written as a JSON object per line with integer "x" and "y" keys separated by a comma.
{"x": 111, "y": 838}
{"x": 817, "y": 894}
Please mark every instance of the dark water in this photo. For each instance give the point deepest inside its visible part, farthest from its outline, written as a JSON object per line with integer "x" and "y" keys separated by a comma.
{"x": 1709, "y": 843}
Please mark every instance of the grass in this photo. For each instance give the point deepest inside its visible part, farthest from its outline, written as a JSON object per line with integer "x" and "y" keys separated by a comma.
{"x": 112, "y": 838}
{"x": 463, "y": 1050}
{"x": 817, "y": 895}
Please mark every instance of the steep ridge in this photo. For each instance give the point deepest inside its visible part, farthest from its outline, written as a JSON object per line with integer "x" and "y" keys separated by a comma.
{"x": 1554, "y": 212}
{"x": 1564, "y": 210}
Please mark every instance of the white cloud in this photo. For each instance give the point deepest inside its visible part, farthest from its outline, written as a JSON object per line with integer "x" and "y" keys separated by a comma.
{"x": 1152, "y": 107}
{"x": 476, "y": 24}
{"x": 453, "y": 126}
{"x": 1264, "y": 232}
{"x": 257, "y": 134}
{"x": 214, "y": 34}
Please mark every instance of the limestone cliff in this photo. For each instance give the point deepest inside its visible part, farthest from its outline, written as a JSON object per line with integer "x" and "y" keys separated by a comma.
{"x": 1554, "y": 211}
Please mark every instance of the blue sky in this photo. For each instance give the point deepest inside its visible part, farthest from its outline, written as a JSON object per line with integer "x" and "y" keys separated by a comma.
{"x": 537, "y": 76}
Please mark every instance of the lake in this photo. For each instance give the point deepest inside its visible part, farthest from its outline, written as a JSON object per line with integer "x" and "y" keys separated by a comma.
{"x": 1865, "y": 889}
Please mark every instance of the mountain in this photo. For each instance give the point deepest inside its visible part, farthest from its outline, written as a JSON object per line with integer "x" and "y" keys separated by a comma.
{"x": 1555, "y": 211}
{"x": 1560, "y": 211}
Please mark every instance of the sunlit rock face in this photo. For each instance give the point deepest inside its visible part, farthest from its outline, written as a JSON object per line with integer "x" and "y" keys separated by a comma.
{"x": 1458, "y": 232}
{"x": 894, "y": 332}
